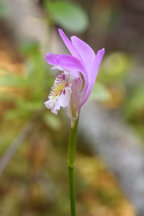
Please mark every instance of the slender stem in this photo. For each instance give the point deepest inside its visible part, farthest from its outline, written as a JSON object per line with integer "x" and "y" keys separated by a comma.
{"x": 72, "y": 191}
{"x": 71, "y": 157}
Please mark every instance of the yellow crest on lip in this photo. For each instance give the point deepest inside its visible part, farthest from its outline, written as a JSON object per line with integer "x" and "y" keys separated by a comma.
{"x": 57, "y": 89}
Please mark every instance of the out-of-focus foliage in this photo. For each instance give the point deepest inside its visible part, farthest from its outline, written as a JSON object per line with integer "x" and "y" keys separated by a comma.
{"x": 67, "y": 14}
{"x": 28, "y": 89}
{"x": 111, "y": 85}
{"x": 35, "y": 181}
{"x": 52, "y": 121}
{"x": 100, "y": 93}
{"x": 3, "y": 9}
{"x": 134, "y": 107}
{"x": 115, "y": 66}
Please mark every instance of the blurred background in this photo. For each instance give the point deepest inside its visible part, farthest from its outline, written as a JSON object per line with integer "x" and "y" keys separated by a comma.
{"x": 33, "y": 142}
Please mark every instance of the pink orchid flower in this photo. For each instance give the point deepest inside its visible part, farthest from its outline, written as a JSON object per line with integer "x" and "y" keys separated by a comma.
{"x": 74, "y": 84}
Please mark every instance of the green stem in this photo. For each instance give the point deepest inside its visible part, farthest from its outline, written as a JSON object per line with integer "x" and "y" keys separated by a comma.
{"x": 72, "y": 191}
{"x": 71, "y": 157}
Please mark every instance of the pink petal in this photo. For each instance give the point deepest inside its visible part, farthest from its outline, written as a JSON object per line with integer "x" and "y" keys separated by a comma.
{"x": 96, "y": 65}
{"x": 74, "y": 50}
{"x": 68, "y": 44}
{"x": 85, "y": 51}
{"x": 70, "y": 63}
{"x": 93, "y": 73}
{"x": 74, "y": 107}
{"x": 65, "y": 61}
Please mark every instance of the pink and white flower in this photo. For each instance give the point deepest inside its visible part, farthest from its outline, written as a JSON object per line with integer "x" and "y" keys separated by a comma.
{"x": 73, "y": 86}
